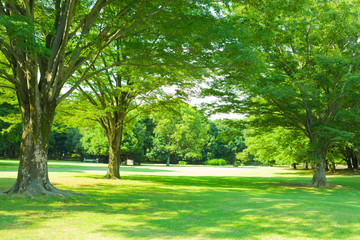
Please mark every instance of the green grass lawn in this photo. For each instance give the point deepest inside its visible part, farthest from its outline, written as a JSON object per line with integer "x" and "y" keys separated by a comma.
{"x": 164, "y": 203}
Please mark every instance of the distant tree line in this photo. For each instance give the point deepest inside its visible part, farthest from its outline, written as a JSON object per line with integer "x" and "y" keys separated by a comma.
{"x": 183, "y": 135}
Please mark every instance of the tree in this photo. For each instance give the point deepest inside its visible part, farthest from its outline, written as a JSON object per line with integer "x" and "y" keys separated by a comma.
{"x": 162, "y": 56}
{"x": 310, "y": 77}
{"x": 277, "y": 146}
{"x": 181, "y": 132}
{"x": 225, "y": 140}
{"x": 64, "y": 143}
{"x": 134, "y": 141}
{"x": 10, "y": 126}
{"x": 230, "y": 134}
{"x": 94, "y": 141}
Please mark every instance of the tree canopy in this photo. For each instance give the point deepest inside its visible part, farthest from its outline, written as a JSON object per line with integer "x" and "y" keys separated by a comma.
{"x": 309, "y": 77}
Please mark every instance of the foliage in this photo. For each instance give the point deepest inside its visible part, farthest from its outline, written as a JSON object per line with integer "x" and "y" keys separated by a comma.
{"x": 218, "y": 161}
{"x": 10, "y": 122}
{"x": 182, "y": 131}
{"x": 94, "y": 141}
{"x": 225, "y": 140}
{"x": 182, "y": 163}
{"x": 277, "y": 146}
{"x": 53, "y": 47}
{"x": 241, "y": 158}
{"x": 309, "y": 76}
{"x": 134, "y": 141}
{"x": 65, "y": 143}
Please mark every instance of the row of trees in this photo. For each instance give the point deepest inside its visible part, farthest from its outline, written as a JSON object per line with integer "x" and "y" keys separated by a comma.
{"x": 290, "y": 64}
{"x": 182, "y": 133}
{"x": 52, "y": 49}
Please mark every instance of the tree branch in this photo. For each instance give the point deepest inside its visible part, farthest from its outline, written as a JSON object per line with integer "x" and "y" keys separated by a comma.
{"x": 4, "y": 86}
{"x": 91, "y": 100}
{"x": 9, "y": 78}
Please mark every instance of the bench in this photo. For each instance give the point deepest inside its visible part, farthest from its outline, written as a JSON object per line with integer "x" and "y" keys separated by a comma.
{"x": 91, "y": 160}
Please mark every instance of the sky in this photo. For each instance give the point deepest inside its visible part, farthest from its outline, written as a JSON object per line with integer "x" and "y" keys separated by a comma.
{"x": 194, "y": 101}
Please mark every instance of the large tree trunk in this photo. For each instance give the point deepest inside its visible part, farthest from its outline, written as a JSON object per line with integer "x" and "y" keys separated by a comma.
{"x": 114, "y": 139}
{"x": 33, "y": 176}
{"x": 319, "y": 177}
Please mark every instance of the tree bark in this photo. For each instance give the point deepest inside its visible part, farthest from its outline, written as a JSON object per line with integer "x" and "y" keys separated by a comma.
{"x": 114, "y": 139}
{"x": 306, "y": 166}
{"x": 168, "y": 159}
{"x": 355, "y": 162}
{"x": 33, "y": 176}
{"x": 348, "y": 162}
{"x": 332, "y": 167}
{"x": 319, "y": 176}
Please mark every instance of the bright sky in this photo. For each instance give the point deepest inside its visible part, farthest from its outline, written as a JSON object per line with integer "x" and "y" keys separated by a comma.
{"x": 197, "y": 101}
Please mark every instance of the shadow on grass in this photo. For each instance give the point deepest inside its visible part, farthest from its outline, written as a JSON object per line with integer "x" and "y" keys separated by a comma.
{"x": 338, "y": 172}
{"x": 299, "y": 172}
{"x": 83, "y": 169}
{"x": 198, "y": 207}
{"x": 79, "y": 167}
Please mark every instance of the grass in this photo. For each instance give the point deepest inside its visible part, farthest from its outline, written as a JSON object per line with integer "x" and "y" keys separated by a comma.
{"x": 156, "y": 202}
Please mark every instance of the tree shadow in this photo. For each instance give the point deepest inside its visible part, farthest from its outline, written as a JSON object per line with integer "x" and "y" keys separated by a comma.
{"x": 163, "y": 207}
{"x": 104, "y": 168}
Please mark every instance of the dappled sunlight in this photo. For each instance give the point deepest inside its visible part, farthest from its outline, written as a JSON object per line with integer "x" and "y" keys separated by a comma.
{"x": 185, "y": 207}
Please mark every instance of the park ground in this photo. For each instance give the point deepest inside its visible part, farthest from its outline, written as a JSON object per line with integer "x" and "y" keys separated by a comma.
{"x": 182, "y": 202}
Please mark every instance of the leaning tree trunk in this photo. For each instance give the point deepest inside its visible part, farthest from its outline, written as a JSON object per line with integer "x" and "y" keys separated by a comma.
{"x": 319, "y": 176}
{"x": 33, "y": 176}
{"x": 114, "y": 139}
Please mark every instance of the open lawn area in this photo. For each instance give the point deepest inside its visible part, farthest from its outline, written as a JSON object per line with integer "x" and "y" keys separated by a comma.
{"x": 182, "y": 202}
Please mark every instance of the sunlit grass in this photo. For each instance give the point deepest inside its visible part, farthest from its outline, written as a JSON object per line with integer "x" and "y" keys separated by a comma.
{"x": 267, "y": 205}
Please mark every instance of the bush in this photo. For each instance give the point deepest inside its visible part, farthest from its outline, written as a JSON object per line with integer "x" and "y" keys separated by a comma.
{"x": 218, "y": 161}
{"x": 182, "y": 163}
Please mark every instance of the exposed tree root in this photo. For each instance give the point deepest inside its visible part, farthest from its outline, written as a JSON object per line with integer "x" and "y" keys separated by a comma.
{"x": 307, "y": 184}
{"x": 111, "y": 176}
{"x": 38, "y": 190}
{"x": 319, "y": 183}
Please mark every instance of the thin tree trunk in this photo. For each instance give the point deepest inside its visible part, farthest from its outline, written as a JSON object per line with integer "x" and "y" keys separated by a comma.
{"x": 168, "y": 159}
{"x": 319, "y": 177}
{"x": 348, "y": 162}
{"x": 333, "y": 167}
{"x": 355, "y": 162}
{"x": 326, "y": 165}
{"x": 114, "y": 140}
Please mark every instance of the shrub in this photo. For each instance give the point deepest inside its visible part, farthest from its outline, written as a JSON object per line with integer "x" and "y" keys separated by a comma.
{"x": 182, "y": 163}
{"x": 218, "y": 161}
